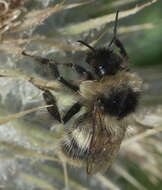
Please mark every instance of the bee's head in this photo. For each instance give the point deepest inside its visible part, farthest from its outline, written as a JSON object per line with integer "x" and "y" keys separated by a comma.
{"x": 103, "y": 61}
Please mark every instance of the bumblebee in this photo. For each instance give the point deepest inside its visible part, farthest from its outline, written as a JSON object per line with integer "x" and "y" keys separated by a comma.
{"x": 109, "y": 94}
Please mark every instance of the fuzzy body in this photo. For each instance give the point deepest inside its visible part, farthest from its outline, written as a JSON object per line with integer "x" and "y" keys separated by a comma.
{"x": 95, "y": 137}
{"x": 108, "y": 95}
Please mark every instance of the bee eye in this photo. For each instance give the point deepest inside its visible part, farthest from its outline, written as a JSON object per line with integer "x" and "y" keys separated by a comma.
{"x": 102, "y": 70}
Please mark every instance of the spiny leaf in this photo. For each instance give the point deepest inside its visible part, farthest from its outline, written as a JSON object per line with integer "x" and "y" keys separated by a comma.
{"x": 23, "y": 152}
{"x": 37, "y": 17}
{"x": 96, "y": 22}
{"x": 54, "y": 173}
{"x": 125, "y": 174}
{"x": 106, "y": 182}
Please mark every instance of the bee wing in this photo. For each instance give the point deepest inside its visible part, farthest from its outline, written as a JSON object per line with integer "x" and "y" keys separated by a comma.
{"x": 104, "y": 145}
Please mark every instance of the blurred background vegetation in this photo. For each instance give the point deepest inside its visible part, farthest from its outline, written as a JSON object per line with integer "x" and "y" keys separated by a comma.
{"x": 51, "y": 28}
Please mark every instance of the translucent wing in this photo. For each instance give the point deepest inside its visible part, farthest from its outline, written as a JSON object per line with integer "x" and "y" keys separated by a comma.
{"x": 104, "y": 144}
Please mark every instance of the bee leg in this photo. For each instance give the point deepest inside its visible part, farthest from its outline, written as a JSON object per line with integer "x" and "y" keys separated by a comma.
{"x": 61, "y": 79}
{"x": 54, "y": 70}
{"x": 42, "y": 60}
{"x": 71, "y": 112}
{"x": 50, "y": 100}
{"x": 81, "y": 71}
{"x": 123, "y": 52}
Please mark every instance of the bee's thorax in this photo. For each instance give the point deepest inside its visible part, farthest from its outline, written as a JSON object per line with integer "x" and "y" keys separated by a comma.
{"x": 118, "y": 94}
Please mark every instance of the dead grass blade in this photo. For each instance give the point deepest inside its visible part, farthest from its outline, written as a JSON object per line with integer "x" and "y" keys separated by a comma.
{"x": 20, "y": 114}
{"x": 53, "y": 85}
{"x": 13, "y": 46}
{"x": 142, "y": 135}
{"x": 135, "y": 28}
{"x": 118, "y": 3}
{"x": 41, "y": 183}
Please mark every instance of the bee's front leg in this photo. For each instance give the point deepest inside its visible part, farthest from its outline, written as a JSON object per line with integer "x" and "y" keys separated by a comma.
{"x": 54, "y": 70}
{"x": 81, "y": 71}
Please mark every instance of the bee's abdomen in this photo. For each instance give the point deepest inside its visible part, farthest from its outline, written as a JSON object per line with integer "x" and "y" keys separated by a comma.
{"x": 76, "y": 145}
{"x": 73, "y": 151}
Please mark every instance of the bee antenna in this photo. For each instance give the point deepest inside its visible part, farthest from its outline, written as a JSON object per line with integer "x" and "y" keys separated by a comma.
{"x": 115, "y": 28}
{"x": 87, "y": 45}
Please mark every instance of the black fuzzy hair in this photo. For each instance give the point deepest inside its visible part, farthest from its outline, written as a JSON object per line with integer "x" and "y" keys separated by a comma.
{"x": 121, "y": 102}
{"x": 72, "y": 150}
{"x": 104, "y": 60}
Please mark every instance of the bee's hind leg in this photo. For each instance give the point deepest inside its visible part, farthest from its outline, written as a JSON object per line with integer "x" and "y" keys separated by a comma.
{"x": 50, "y": 100}
{"x": 54, "y": 111}
{"x": 72, "y": 111}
